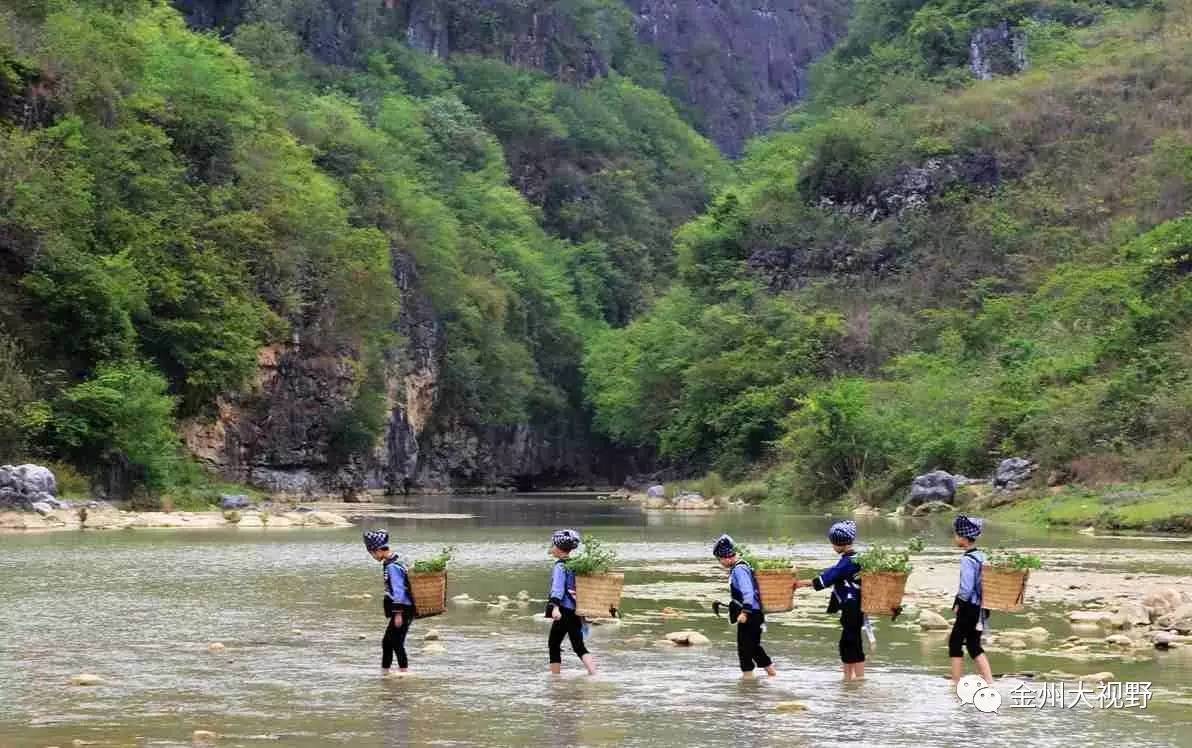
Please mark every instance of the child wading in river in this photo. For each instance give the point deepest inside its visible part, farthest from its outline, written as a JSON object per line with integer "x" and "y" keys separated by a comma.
{"x": 398, "y": 602}
{"x": 751, "y": 618}
{"x": 845, "y": 580}
{"x": 560, "y": 606}
{"x": 970, "y": 617}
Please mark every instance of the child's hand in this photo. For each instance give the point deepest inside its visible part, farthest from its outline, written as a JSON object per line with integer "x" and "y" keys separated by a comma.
{"x": 742, "y": 617}
{"x": 555, "y": 614}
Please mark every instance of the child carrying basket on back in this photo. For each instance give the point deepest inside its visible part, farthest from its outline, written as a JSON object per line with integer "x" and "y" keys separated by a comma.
{"x": 845, "y": 580}
{"x": 560, "y": 607}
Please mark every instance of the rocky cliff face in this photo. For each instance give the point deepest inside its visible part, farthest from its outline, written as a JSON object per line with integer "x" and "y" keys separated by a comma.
{"x": 278, "y": 436}
{"x": 739, "y": 64}
{"x": 734, "y": 64}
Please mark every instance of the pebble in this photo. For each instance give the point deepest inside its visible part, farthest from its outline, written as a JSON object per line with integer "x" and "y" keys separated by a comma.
{"x": 1119, "y": 640}
{"x": 361, "y": 637}
{"x": 86, "y": 679}
{"x": 216, "y": 647}
{"x": 297, "y": 632}
{"x": 204, "y": 737}
{"x": 431, "y": 636}
{"x": 790, "y": 706}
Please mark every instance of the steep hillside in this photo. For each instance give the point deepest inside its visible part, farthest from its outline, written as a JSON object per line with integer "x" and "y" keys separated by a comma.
{"x": 734, "y": 66}
{"x": 320, "y": 275}
{"x": 971, "y": 243}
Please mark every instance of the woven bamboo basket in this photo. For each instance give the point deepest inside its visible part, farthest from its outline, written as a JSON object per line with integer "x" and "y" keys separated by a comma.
{"x": 598, "y": 595}
{"x": 1003, "y": 589}
{"x": 430, "y": 593}
{"x": 776, "y": 587}
{"x": 881, "y": 592}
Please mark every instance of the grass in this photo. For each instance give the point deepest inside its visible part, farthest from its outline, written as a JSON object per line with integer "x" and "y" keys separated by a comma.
{"x": 1153, "y": 506}
{"x": 204, "y": 496}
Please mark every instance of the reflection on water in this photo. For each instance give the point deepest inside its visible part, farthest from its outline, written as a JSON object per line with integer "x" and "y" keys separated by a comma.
{"x": 139, "y": 608}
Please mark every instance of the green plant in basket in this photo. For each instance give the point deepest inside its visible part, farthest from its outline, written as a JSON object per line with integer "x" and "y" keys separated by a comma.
{"x": 435, "y": 564}
{"x": 765, "y": 563}
{"x": 1011, "y": 560}
{"x": 878, "y": 558}
{"x": 594, "y": 558}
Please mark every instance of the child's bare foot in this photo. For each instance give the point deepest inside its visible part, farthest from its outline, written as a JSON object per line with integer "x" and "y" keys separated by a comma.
{"x": 770, "y": 671}
{"x": 589, "y": 663}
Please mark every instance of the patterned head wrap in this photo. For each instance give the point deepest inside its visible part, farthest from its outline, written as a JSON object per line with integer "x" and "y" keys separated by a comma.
{"x": 375, "y": 540}
{"x": 565, "y": 540}
{"x": 968, "y": 528}
{"x": 843, "y": 533}
{"x": 724, "y": 547}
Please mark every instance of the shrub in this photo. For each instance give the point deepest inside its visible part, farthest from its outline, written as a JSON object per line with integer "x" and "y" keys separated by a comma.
{"x": 1002, "y": 558}
{"x": 880, "y": 558}
{"x": 434, "y": 564}
{"x": 594, "y": 558}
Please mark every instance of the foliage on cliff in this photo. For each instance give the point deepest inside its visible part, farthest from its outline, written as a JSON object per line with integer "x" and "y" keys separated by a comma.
{"x": 1004, "y": 266}
{"x": 171, "y": 203}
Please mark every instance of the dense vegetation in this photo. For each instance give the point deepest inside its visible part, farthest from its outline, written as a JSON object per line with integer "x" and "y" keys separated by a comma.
{"x": 834, "y": 340}
{"x": 170, "y": 203}
{"x": 918, "y": 270}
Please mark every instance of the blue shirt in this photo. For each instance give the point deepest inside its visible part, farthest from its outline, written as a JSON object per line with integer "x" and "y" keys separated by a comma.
{"x": 844, "y": 578}
{"x": 397, "y": 586}
{"x": 970, "y": 577}
{"x": 562, "y": 586}
{"x": 742, "y": 588}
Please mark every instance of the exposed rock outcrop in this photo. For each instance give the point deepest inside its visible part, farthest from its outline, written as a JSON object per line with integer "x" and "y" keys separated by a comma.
{"x": 25, "y": 487}
{"x": 739, "y": 64}
{"x": 997, "y": 50}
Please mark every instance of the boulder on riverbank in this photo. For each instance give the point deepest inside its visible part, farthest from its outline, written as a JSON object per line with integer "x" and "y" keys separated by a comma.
{"x": 1013, "y": 473}
{"x": 938, "y": 485}
{"x": 22, "y": 486}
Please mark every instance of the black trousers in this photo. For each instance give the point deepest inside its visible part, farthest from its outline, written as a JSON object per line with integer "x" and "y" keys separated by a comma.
{"x": 965, "y": 634}
{"x": 570, "y": 626}
{"x": 394, "y": 642}
{"x": 749, "y": 645}
{"x": 851, "y": 622}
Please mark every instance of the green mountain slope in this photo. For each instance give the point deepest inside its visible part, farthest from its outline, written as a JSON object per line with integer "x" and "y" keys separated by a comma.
{"x": 930, "y": 271}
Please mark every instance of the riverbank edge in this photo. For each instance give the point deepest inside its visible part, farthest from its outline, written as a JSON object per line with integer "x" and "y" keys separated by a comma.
{"x": 109, "y": 518}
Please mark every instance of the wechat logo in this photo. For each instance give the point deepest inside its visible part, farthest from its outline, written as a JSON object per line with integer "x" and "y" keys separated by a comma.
{"x": 972, "y": 689}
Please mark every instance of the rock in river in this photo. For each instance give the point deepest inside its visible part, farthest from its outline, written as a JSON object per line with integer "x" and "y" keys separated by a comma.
{"x": 86, "y": 679}
{"x": 687, "y": 638}
{"x": 929, "y": 620}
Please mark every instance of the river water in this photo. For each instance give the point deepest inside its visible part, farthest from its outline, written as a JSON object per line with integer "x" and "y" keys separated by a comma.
{"x": 139, "y": 608}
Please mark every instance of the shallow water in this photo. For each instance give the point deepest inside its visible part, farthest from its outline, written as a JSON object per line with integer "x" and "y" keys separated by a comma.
{"x": 140, "y": 607}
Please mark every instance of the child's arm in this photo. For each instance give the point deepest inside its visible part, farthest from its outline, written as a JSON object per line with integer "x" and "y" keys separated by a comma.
{"x": 968, "y": 580}
{"x": 830, "y": 576}
{"x": 558, "y": 588}
{"x": 398, "y": 589}
{"x": 749, "y": 602}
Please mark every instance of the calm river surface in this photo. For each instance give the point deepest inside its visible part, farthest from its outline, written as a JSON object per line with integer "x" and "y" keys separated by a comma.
{"x": 140, "y": 607}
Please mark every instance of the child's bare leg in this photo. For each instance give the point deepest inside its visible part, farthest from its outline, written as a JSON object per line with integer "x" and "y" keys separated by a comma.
{"x": 847, "y": 669}
{"x": 983, "y": 667}
{"x": 957, "y": 669}
{"x": 858, "y": 670}
{"x": 589, "y": 663}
